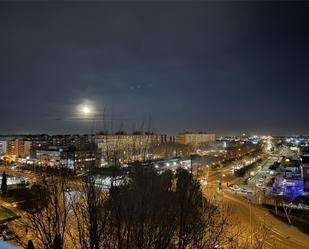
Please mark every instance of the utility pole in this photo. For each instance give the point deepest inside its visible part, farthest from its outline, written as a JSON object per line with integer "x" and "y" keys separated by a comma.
{"x": 251, "y": 235}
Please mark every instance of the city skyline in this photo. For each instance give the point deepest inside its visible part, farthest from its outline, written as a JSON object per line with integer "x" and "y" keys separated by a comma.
{"x": 154, "y": 124}
{"x": 226, "y": 67}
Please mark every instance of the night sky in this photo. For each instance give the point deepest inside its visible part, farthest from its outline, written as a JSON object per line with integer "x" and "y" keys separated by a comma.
{"x": 226, "y": 67}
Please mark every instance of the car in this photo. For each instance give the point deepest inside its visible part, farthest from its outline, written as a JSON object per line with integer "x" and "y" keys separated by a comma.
{"x": 244, "y": 190}
{"x": 232, "y": 187}
{"x": 249, "y": 192}
{"x": 236, "y": 188}
{"x": 203, "y": 181}
{"x": 218, "y": 247}
{"x": 302, "y": 206}
{"x": 260, "y": 185}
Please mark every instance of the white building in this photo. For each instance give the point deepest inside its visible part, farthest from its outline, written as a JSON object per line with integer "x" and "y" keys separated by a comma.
{"x": 3, "y": 147}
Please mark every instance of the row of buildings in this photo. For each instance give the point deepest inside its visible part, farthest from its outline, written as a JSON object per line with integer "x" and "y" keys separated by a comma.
{"x": 15, "y": 148}
{"x": 81, "y": 151}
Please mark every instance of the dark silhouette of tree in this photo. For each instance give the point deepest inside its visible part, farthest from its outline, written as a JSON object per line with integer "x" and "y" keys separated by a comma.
{"x": 189, "y": 201}
{"x": 143, "y": 210}
{"x": 150, "y": 211}
{"x": 30, "y": 245}
{"x": 57, "y": 244}
{"x": 4, "y": 186}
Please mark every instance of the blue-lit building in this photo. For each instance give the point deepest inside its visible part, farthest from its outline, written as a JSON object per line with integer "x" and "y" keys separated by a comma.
{"x": 289, "y": 181}
{"x": 304, "y": 153}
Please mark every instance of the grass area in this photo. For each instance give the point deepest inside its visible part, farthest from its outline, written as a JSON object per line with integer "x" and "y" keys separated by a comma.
{"x": 300, "y": 218}
{"x": 49, "y": 170}
{"x": 6, "y": 213}
{"x": 18, "y": 194}
{"x": 26, "y": 198}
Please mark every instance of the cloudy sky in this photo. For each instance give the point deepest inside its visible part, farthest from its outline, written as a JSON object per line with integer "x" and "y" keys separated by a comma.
{"x": 227, "y": 67}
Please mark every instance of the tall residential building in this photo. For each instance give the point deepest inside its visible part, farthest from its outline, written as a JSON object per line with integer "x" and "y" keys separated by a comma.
{"x": 18, "y": 148}
{"x": 126, "y": 147}
{"x": 167, "y": 139}
{"x": 3, "y": 146}
{"x": 191, "y": 138}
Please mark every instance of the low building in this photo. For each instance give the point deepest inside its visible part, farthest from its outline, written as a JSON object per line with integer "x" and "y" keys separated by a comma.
{"x": 191, "y": 138}
{"x": 87, "y": 158}
{"x": 68, "y": 157}
{"x": 56, "y": 156}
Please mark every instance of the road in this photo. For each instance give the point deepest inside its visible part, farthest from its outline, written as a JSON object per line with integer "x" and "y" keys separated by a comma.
{"x": 281, "y": 235}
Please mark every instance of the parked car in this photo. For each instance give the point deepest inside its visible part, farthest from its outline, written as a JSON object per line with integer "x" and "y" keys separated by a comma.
{"x": 249, "y": 191}
{"x": 260, "y": 185}
{"x": 236, "y": 188}
{"x": 244, "y": 190}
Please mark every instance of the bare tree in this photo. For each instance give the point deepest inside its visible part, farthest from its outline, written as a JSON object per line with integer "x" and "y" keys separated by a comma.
{"x": 47, "y": 223}
{"x": 90, "y": 215}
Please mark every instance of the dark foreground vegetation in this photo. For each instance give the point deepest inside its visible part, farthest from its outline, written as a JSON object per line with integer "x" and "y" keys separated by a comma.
{"x": 148, "y": 210}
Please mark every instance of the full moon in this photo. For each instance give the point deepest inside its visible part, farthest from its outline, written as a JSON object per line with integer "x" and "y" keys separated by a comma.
{"x": 86, "y": 109}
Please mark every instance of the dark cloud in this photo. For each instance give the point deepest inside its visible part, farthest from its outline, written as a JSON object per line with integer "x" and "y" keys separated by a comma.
{"x": 220, "y": 66}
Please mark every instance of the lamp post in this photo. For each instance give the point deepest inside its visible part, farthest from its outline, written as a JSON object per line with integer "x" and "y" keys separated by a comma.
{"x": 251, "y": 235}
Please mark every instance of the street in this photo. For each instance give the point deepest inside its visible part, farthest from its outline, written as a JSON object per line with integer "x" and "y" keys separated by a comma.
{"x": 281, "y": 235}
